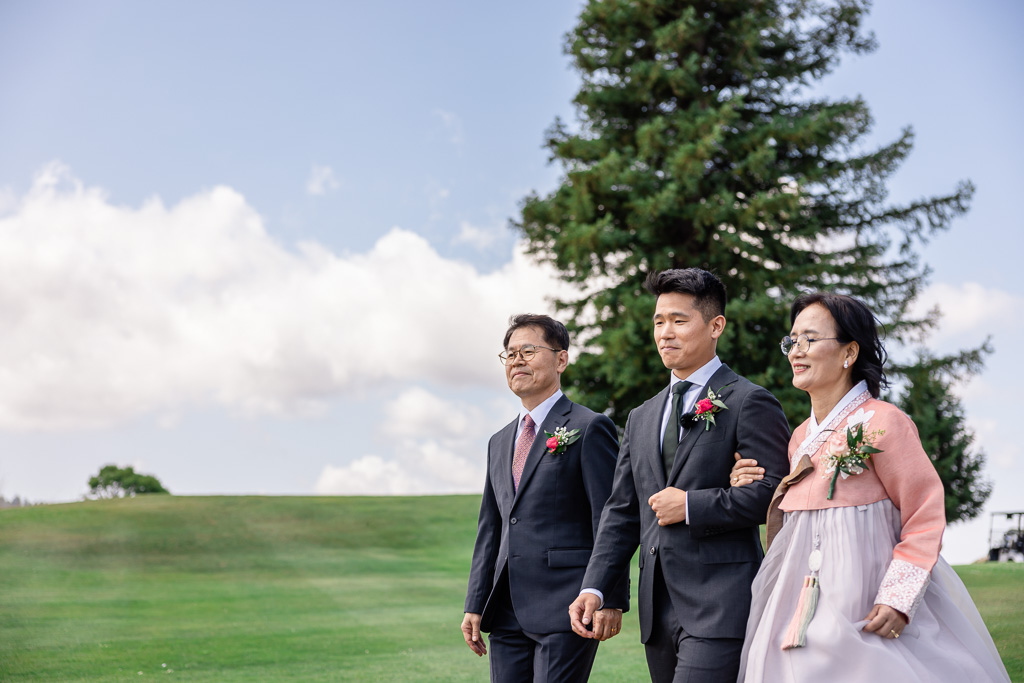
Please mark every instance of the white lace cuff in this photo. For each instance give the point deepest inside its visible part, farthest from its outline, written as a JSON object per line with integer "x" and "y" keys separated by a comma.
{"x": 903, "y": 587}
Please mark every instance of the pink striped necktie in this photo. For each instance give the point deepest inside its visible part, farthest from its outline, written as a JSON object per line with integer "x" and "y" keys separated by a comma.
{"x": 522, "y": 449}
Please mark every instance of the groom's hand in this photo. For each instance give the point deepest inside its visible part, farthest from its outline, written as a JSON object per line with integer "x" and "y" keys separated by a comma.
{"x": 471, "y": 632}
{"x": 581, "y": 613}
{"x": 669, "y": 505}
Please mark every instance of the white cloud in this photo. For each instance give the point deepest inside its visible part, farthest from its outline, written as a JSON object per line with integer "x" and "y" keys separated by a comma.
{"x": 370, "y": 475}
{"x": 969, "y": 308}
{"x": 481, "y": 238}
{"x": 453, "y": 124}
{"x": 436, "y": 446}
{"x": 321, "y": 181}
{"x": 113, "y": 311}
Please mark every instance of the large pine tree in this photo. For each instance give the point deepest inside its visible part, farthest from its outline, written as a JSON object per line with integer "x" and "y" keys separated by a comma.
{"x": 701, "y": 143}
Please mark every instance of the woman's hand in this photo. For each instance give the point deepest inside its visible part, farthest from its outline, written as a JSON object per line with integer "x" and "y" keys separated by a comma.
{"x": 885, "y": 622}
{"x": 745, "y": 471}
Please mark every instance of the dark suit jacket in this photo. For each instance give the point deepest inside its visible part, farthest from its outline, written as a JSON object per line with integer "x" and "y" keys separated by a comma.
{"x": 543, "y": 534}
{"x": 709, "y": 563}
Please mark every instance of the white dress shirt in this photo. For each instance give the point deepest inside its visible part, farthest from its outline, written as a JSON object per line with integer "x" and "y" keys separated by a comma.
{"x": 699, "y": 378}
{"x": 539, "y": 414}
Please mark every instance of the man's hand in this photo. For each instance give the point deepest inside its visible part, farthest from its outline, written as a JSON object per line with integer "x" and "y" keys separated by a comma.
{"x": 471, "y": 632}
{"x": 581, "y": 613}
{"x": 607, "y": 623}
{"x": 885, "y": 622}
{"x": 669, "y": 505}
{"x": 745, "y": 471}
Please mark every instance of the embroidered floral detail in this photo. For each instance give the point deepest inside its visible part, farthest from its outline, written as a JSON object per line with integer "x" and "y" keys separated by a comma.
{"x": 860, "y": 417}
{"x": 557, "y": 442}
{"x": 903, "y": 587}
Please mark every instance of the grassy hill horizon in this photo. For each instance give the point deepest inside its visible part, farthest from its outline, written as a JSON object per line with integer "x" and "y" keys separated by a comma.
{"x": 225, "y": 588}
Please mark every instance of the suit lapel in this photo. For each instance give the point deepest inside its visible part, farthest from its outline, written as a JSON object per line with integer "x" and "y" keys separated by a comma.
{"x": 557, "y": 417}
{"x": 650, "y": 428}
{"x": 506, "y": 450}
{"x": 723, "y": 376}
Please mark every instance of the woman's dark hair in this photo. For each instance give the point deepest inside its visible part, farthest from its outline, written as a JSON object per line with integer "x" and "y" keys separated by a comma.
{"x": 854, "y": 323}
{"x": 554, "y": 332}
{"x": 707, "y": 290}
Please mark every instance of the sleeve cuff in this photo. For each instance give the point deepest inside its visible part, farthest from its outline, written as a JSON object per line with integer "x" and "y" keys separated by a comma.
{"x": 596, "y": 592}
{"x": 903, "y": 587}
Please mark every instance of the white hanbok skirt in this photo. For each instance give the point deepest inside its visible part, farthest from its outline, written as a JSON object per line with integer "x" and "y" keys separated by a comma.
{"x": 945, "y": 641}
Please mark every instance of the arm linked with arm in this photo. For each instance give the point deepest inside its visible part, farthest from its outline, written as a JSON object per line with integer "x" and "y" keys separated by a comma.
{"x": 762, "y": 433}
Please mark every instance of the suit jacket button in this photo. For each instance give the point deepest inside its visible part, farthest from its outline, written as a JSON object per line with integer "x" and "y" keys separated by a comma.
{"x": 513, "y": 520}
{"x": 652, "y": 550}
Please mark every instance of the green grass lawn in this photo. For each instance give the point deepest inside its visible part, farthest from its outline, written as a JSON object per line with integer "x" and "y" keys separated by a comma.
{"x": 280, "y": 588}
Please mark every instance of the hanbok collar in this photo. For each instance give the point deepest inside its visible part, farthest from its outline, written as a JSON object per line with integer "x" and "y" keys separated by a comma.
{"x": 814, "y": 427}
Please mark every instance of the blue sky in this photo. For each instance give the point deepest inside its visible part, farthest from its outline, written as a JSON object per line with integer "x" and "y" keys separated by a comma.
{"x": 258, "y": 247}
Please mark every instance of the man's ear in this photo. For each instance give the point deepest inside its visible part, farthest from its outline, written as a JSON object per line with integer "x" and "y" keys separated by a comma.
{"x": 563, "y": 361}
{"x": 717, "y": 326}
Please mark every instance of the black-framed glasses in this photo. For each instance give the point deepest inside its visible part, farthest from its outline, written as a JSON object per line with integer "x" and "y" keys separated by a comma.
{"x": 527, "y": 352}
{"x": 801, "y": 343}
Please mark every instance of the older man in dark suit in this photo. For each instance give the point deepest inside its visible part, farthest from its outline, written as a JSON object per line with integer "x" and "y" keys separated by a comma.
{"x": 699, "y": 540}
{"x": 549, "y": 473}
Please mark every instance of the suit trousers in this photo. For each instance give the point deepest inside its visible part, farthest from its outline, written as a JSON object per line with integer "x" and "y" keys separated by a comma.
{"x": 674, "y": 656}
{"x": 518, "y": 656}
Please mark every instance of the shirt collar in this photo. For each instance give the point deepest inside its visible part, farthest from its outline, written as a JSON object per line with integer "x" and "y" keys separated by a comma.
{"x": 540, "y": 413}
{"x": 701, "y": 376}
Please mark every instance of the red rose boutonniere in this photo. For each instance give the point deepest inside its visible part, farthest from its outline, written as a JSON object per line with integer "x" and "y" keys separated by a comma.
{"x": 706, "y": 409}
{"x": 557, "y": 442}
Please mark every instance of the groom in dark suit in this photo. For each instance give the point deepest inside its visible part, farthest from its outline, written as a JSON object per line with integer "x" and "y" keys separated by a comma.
{"x": 698, "y": 538}
{"x": 549, "y": 473}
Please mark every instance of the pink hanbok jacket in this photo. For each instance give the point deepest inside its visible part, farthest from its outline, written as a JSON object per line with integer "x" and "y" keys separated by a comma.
{"x": 902, "y": 472}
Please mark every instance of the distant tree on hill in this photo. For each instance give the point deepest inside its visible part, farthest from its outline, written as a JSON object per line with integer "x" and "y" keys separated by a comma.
{"x": 120, "y": 482}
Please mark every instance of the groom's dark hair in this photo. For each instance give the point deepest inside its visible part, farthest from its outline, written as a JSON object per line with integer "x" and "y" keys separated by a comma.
{"x": 707, "y": 290}
{"x": 554, "y": 332}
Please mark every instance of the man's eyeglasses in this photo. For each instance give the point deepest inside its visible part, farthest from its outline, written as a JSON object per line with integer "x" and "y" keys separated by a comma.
{"x": 802, "y": 343}
{"x": 526, "y": 353}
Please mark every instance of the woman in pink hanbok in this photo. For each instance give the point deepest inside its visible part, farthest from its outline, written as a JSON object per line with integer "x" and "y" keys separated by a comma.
{"x": 852, "y": 587}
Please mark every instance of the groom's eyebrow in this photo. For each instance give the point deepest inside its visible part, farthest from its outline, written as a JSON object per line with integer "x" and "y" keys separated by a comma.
{"x": 671, "y": 314}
